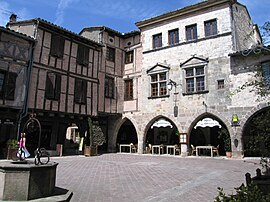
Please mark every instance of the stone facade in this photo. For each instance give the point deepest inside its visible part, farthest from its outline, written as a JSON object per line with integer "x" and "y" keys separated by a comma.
{"x": 235, "y": 32}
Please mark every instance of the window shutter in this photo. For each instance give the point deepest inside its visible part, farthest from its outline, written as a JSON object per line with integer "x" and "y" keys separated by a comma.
{"x": 49, "y": 92}
{"x": 57, "y": 87}
{"x": 11, "y": 86}
{"x": 84, "y": 91}
{"x": 77, "y": 90}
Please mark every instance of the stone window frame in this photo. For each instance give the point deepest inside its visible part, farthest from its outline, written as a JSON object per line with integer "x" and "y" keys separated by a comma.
{"x": 158, "y": 86}
{"x": 157, "y": 41}
{"x": 210, "y": 27}
{"x": 191, "y": 32}
{"x": 220, "y": 84}
{"x": 173, "y": 37}
{"x": 194, "y": 77}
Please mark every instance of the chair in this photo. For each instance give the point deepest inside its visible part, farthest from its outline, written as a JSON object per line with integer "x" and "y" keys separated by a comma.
{"x": 149, "y": 149}
{"x": 193, "y": 150}
{"x": 133, "y": 148}
{"x": 215, "y": 150}
{"x": 177, "y": 150}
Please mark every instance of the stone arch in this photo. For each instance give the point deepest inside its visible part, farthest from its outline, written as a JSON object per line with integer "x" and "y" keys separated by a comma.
{"x": 117, "y": 127}
{"x": 249, "y": 129}
{"x": 209, "y": 135}
{"x": 152, "y": 120}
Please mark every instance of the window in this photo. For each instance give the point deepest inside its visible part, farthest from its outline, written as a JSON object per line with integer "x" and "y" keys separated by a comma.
{"x": 157, "y": 41}
{"x": 129, "y": 89}
{"x": 158, "y": 84}
{"x": 53, "y": 86}
{"x": 191, "y": 32}
{"x": 173, "y": 37}
{"x": 2, "y": 82}
{"x": 129, "y": 57}
{"x": 210, "y": 27}
{"x": 7, "y": 85}
{"x": 266, "y": 72}
{"x": 221, "y": 84}
{"x": 80, "y": 91}
{"x": 110, "y": 55}
{"x": 109, "y": 87}
{"x": 83, "y": 55}
{"x": 57, "y": 46}
{"x": 195, "y": 80}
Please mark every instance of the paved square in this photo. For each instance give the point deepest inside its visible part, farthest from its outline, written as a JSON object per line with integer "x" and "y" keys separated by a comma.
{"x": 131, "y": 177}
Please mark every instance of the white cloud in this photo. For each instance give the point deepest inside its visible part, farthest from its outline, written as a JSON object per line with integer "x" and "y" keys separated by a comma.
{"x": 63, "y": 4}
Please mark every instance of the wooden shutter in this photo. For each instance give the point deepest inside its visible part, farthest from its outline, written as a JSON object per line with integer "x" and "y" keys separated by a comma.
{"x": 84, "y": 91}
{"x": 11, "y": 86}
{"x": 50, "y": 81}
{"x": 57, "y": 90}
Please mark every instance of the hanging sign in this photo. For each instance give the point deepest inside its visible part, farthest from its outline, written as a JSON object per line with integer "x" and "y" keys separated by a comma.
{"x": 207, "y": 122}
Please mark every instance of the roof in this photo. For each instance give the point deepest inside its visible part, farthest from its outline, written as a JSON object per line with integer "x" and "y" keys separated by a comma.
{"x": 18, "y": 34}
{"x": 183, "y": 11}
{"x": 51, "y": 26}
{"x": 112, "y": 31}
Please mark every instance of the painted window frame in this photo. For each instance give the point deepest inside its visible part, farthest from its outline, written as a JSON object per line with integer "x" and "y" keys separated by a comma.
{"x": 193, "y": 82}
{"x": 129, "y": 57}
{"x": 158, "y": 86}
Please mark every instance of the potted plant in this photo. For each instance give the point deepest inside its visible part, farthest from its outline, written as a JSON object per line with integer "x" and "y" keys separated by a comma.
{"x": 225, "y": 136}
{"x": 12, "y": 147}
{"x": 96, "y": 138}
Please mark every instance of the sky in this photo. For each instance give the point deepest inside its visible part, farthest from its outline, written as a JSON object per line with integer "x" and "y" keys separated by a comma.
{"x": 119, "y": 15}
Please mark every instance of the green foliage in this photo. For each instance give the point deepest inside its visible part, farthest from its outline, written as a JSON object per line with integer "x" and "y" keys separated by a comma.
{"x": 250, "y": 193}
{"x": 12, "y": 143}
{"x": 225, "y": 136}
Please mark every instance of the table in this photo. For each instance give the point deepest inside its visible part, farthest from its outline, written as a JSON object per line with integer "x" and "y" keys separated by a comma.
{"x": 159, "y": 148}
{"x": 169, "y": 147}
{"x": 125, "y": 145}
{"x": 204, "y": 147}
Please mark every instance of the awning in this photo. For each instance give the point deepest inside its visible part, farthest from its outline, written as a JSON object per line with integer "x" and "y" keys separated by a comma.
{"x": 162, "y": 123}
{"x": 207, "y": 122}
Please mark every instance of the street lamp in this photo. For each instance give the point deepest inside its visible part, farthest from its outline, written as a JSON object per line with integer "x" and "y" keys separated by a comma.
{"x": 171, "y": 84}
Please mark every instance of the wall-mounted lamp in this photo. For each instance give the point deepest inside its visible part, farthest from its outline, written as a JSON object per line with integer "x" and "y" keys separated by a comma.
{"x": 235, "y": 120}
{"x": 171, "y": 84}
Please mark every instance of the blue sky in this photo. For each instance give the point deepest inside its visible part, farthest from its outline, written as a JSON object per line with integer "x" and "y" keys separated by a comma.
{"x": 120, "y": 15}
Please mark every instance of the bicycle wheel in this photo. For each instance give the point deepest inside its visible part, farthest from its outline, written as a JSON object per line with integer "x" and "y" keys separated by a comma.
{"x": 44, "y": 157}
{"x": 37, "y": 159}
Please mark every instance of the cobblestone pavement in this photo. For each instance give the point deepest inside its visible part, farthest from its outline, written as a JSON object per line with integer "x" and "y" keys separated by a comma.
{"x": 146, "y": 178}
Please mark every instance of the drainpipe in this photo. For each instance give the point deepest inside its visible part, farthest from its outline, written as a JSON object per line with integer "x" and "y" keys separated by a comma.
{"x": 27, "y": 85}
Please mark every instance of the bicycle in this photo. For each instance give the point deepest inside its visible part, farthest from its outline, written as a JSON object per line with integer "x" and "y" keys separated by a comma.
{"x": 41, "y": 156}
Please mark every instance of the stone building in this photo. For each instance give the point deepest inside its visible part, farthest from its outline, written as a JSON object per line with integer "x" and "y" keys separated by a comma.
{"x": 15, "y": 64}
{"x": 190, "y": 49}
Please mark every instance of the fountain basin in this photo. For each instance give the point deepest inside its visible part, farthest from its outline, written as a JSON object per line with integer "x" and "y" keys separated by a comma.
{"x": 26, "y": 181}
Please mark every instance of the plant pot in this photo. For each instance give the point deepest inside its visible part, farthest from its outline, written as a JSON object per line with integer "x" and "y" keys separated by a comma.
{"x": 12, "y": 153}
{"x": 228, "y": 154}
{"x": 90, "y": 150}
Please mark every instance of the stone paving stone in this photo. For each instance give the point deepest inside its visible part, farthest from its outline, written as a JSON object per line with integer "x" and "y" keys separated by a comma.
{"x": 130, "y": 177}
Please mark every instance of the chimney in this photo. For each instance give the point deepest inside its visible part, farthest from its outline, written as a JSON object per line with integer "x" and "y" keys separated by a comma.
{"x": 13, "y": 18}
